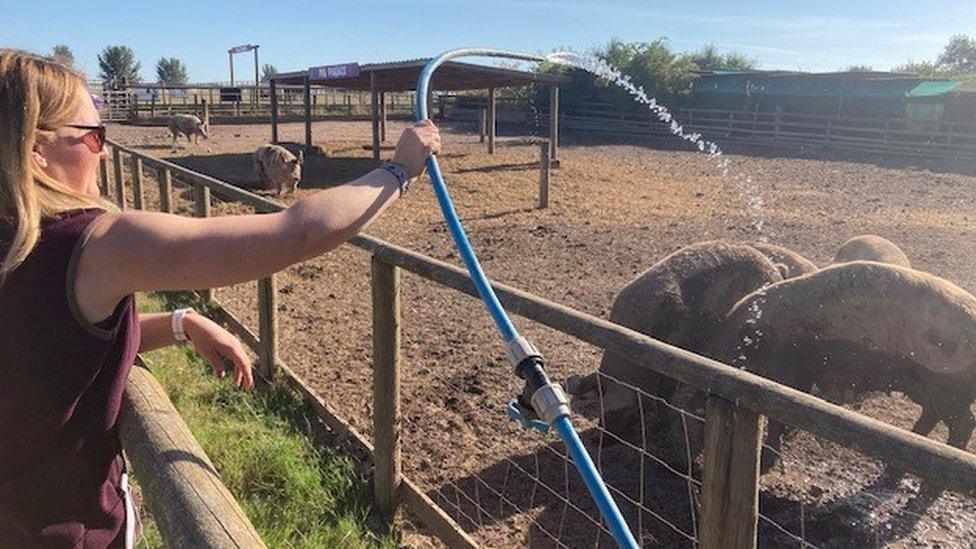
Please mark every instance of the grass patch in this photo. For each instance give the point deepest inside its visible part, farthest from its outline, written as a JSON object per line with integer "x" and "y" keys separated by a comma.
{"x": 295, "y": 494}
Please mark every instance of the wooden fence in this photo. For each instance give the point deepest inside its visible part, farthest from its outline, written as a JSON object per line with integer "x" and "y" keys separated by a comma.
{"x": 944, "y": 140}
{"x": 735, "y": 404}
{"x": 950, "y": 139}
{"x": 142, "y": 103}
{"x": 190, "y": 504}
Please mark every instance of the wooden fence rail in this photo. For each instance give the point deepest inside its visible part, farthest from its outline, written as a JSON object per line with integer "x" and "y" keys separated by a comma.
{"x": 190, "y": 504}
{"x": 737, "y": 398}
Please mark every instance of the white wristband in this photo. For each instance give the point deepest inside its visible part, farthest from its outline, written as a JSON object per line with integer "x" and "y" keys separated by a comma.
{"x": 179, "y": 334}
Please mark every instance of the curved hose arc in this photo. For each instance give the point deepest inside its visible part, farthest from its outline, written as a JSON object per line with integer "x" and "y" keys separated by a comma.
{"x": 591, "y": 477}
{"x": 487, "y": 294}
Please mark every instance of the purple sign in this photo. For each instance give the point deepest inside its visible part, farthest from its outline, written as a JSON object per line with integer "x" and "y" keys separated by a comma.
{"x": 346, "y": 70}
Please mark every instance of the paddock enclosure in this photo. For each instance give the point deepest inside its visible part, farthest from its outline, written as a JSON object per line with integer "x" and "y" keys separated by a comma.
{"x": 613, "y": 210}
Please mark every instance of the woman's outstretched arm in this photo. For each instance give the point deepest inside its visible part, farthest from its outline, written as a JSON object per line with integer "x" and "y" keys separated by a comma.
{"x": 142, "y": 251}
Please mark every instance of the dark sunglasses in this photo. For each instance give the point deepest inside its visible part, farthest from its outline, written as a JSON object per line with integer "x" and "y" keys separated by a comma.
{"x": 94, "y": 139}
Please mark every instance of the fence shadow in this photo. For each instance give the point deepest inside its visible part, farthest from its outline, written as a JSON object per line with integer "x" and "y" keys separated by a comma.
{"x": 544, "y": 486}
{"x": 237, "y": 168}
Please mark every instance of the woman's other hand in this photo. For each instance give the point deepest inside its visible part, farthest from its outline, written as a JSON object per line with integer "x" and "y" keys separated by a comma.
{"x": 417, "y": 143}
{"x": 218, "y": 347}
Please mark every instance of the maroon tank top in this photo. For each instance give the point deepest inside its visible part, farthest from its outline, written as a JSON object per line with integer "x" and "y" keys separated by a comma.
{"x": 61, "y": 383}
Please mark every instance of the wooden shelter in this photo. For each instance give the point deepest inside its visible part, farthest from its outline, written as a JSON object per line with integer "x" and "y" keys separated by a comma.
{"x": 400, "y": 76}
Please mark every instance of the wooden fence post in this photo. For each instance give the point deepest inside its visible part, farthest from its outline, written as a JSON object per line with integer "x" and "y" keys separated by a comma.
{"x": 386, "y": 385}
{"x": 103, "y": 175}
{"x": 206, "y": 115}
{"x": 730, "y": 479}
{"x": 482, "y": 123}
{"x": 545, "y": 165}
{"x": 119, "y": 183}
{"x": 268, "y": 326}
{"x": 202, "y": 208}
{"x": 491, "y": 120}
{"x": 554, "y": 124}
{"x": 165, "y": 178}
{"x": 137, "y": 194}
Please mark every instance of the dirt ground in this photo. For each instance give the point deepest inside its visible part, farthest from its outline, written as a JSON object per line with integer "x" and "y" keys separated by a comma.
{"x": 615, "y": 210}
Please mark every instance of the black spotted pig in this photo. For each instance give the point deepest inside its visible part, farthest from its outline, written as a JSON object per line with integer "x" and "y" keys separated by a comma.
{"x": 278, "y": 168}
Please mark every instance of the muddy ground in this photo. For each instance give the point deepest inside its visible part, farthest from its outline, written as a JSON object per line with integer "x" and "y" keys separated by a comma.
{"x": 615, "y": 210}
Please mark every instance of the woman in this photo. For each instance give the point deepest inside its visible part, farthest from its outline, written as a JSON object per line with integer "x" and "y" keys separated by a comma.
{"x": 70, "y": 266}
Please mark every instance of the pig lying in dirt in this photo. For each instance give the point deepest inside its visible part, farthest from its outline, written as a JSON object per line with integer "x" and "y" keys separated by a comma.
{"x": 278, "y": 168}
{"x": 187, "y": 125}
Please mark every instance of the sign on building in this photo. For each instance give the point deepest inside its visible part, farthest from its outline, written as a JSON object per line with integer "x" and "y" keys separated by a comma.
{"x": 345, "y": 70}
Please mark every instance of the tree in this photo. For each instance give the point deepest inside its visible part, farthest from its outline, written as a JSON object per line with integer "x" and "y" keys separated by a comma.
{"x": 267, "y": 71}
{"x": 959, "y": 55}
{"x": 925, "y": 69}
{"x": 957, "y": 60}
{"x": 709, "y": 58}
{"x": 62, "y": 54}
{"x": 118, "y": 66}
{"x": 171, "y": 72}
{"x": 859, "y": 68}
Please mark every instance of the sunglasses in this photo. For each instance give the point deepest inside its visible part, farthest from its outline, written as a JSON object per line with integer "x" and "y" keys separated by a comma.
{"x": 94, "y": 138}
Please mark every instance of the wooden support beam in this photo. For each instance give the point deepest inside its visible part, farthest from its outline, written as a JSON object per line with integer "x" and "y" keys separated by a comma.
{"x": 544, "y": 164}
{"x": 206, "y": 115}
{"x": 119, "y": 182}
{"x": 268, "y": 326}
{"x": 482, "y": 124}
{"x": 190, "y": 504}
{"x": 308, "y": 115}
{"x": 374, "y": 93}
{"x": 137, "y": 195}
{"x": 491, "y": 120}
{"x": 165, "y": 179}
{"x": 382, "y": 116}
{"x": 202, "y": 208}
{"x": 730, "y": 479}
{"x": 386, "y": 385}
{"x": 274, "y": 111}
{"x": 103, "y": 176}
{"x": 554, "y": 123}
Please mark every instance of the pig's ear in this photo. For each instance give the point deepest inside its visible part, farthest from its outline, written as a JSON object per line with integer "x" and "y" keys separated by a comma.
{"x": 280, "y": 156}
{"x": 301, "y": 157}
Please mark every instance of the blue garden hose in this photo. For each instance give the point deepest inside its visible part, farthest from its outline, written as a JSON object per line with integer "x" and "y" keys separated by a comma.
{"x": 541, "y": 396}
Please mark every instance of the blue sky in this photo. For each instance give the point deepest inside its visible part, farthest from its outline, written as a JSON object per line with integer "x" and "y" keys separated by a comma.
{"x": 824, "y": 35}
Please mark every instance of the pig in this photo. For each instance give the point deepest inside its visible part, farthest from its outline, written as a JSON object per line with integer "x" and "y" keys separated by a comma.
{"x": 278, "y": 168}
{"x": 186, "y": 124}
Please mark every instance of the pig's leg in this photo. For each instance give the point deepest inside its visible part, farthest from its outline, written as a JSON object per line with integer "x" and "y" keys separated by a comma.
{"x": 961, "y": 425}
{"x": 619, "y": 407}
{"x": 927, "y": 421}
{"x": 581, "y": 386}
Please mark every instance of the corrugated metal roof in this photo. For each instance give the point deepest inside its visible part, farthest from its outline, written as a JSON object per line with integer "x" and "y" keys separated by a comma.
{"x": 933, "y": 88}
{"x": 451, "y": 76}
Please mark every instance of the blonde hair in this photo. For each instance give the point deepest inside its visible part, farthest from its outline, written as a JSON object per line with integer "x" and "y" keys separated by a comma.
{"x": 34, "y": 93}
